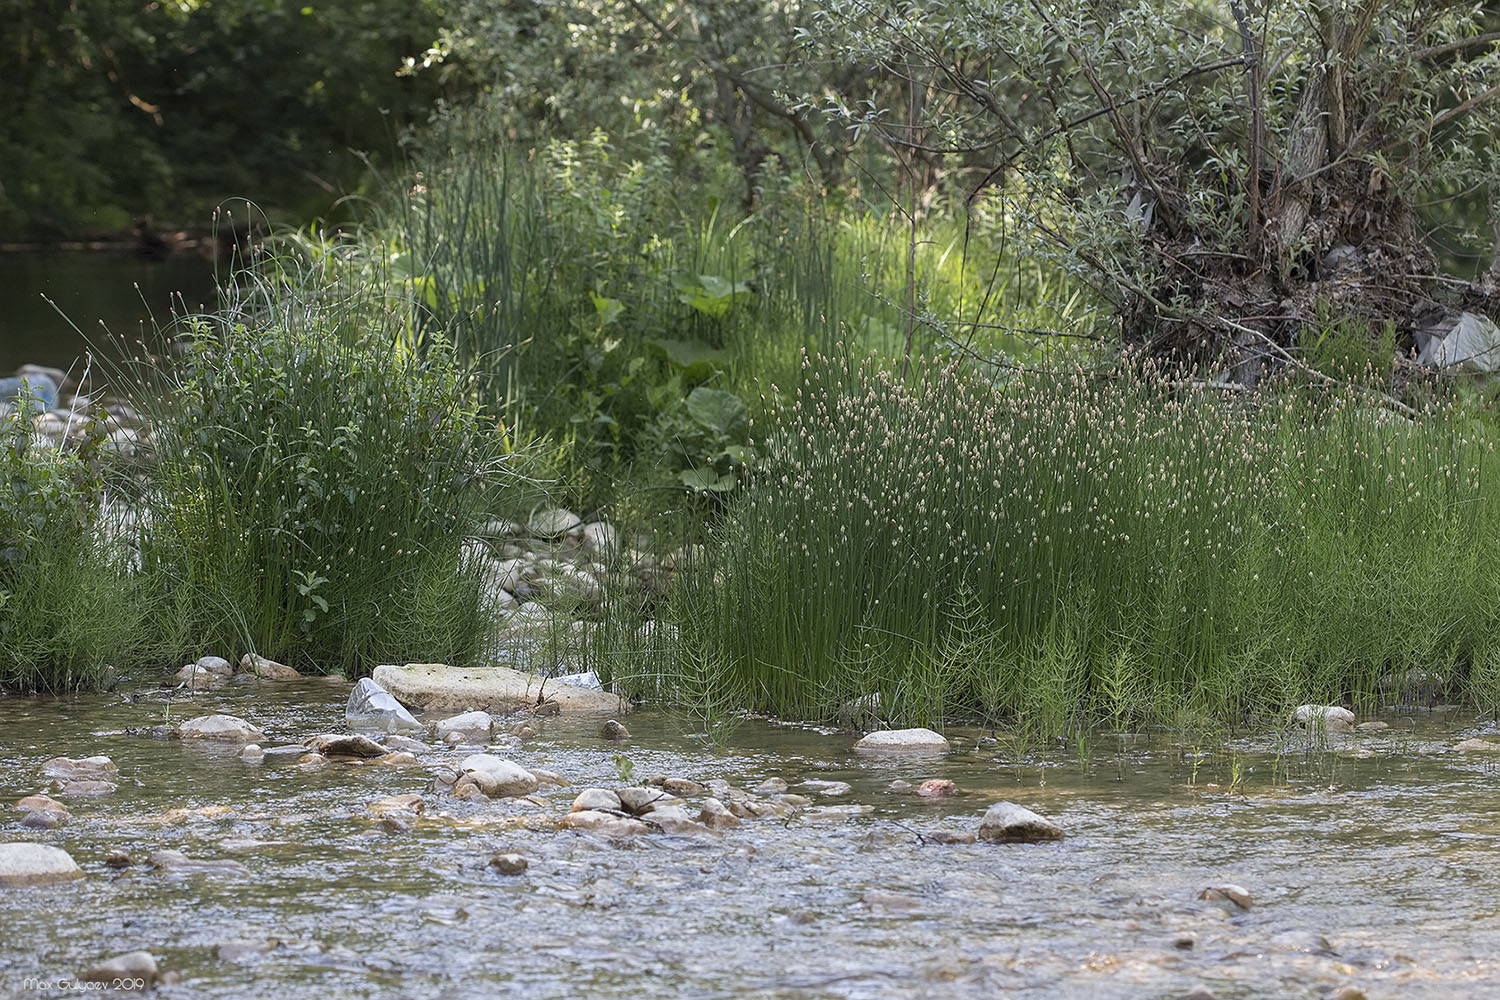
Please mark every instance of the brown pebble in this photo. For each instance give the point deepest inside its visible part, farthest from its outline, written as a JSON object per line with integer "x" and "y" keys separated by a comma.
{"x": 119, "y": 859}
{"x": 546, "y": 708}
{"x": 612, "y": 730}
{"x": 937, "y": 788}
{"x": 509, "y": 864}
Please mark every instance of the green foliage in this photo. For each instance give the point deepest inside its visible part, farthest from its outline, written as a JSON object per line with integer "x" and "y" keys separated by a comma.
{"x": 1061, "y": 549}
{"x": 67, "y": 606}
{"x": 314, "y": 485}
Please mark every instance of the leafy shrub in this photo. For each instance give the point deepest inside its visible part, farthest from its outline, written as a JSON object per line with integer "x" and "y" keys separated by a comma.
{"x": 67, "y": 607}
{"x": 315, "y": 483}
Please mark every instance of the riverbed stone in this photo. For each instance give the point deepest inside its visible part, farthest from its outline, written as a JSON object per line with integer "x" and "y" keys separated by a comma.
{"x": 438, "y": 687}
{"x": 498, "y": 777}
{"x": 473, "y": 727}
{"x": 1475, "y": 744}
{"x": 230, "y": 728}
{"x": 613, "y": 730}
{"x": 899, "y": 787}
{"x": 395, "y": 741}
{"x": 410, "y": 803}
{"x": 716, "y": 816}
{"x": 552, "y": 522}
{"x": 268, "y": 670}
{"x": 509, "y": 864}
{"x": 818, "y": 786}
{"x": 25, "y": 864}
{"x": 603, "y": 823}
{"x": 1009, "y": 823}
{"x": 917, "y": 740}
{"x": 599, "y": 538}
{"x": 252, "y": 753}
{"x": 84, "y": 787}
{"x": 134, "y": 970}
{"x": 949, "y": 837}
{"x": 199, "y": 679}
{"x": 42, "y": 812}
{"x": 598, "y": 800}
{"x": 677, "y": 786}
{"x": 97, "y": 768}
{"x": 937, "y": 788}
{"x": 674, "y": 819}
{"x": 1227, "y": 892}
{"x": 1373, "y": 726}
{"x": 371, "y": 707}
{"x": 770, "y": 786}
{"x": 836, "y": 813}
{"x": 546, "y": 777}
{"x": 1325, "y": 718}
{"x": 644, "y": 800}
{"x": 345, "y": 745}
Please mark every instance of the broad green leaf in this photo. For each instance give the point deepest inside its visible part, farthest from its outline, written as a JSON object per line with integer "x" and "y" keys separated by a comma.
{"x": 717, "y": 410}
{"x": 707, "y": 480}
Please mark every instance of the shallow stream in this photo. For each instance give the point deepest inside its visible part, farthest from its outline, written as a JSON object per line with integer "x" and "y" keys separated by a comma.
{"x": 1371, "y": 863}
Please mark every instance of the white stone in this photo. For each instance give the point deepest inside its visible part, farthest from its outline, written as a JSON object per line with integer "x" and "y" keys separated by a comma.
{"x": 1227, "y": 893}
{"x": 601, "y": 538}
{"x": 437, "y": 687}
{"x": 23, "y": 864}
{"x": 552, "y": 522}
{"x": 219, "y": 727}
{"x": 498, "y": 777}
{"x": 265, "y": 669}
{"x": 134, "y": 970}
{"x": 903, "y": 740}
{"x": 216, "y": 665}
{"x": 471, "y": 726}
{"x": 1328, "y": 718}
{"x": 603, "y": 823}
{"x": 1008, "y": 823}
{"x": 716, "y": 816}
{"x": 597, "y": 799}
{"x": 96, "y": 768}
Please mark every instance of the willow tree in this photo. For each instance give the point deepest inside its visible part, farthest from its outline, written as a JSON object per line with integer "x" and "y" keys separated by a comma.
{"x": 1223, "y": 174}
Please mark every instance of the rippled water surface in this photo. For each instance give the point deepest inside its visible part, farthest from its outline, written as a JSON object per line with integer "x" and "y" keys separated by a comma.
{"x": 1371, "y": 863}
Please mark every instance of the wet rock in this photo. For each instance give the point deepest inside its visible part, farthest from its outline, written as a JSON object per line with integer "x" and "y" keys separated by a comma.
{"x": 830, "y": 788}
{"x": 23, "y": 864}
{"x": 398, "y": 759}
{"x": 598, "y": 800}
{"x": 177, "y": 862}
{"x": 135, "y": 970}
{"x": 1375, "y": 726}
{"x": 1008, "y": 823}
{"x": 1184, "y": 941}
{"x": 470, "y": 727}
{"x": 612, "y": 730}
{"x": 1228, "y": 892}
{"x": 673, "y": 819}
{"x": 677, "y": 786}
{"x": 230, "y": 728}
{"x": 395, "y": 741}
{"x": 770, "y": 786}
{"x": 198, "y": 678}
{"x": 68, "y": 769}
{"x": 603, "y": 823}
{"x": 411, "y": 803}
{"x": 791, "y": 800}
{"x": 1324, "y": 718}
{"x": 1476, "y": 745}
{"x": 345, "y": 745}
{"x": 119, "y": 859}
{"x": 716, "y": 816}
{"x": 547, "y": 709}
{"x": 84, "y": 787}
{"x": 552, "y": 778}
{"x": 644, "y": 800}
{"x": 903, "y": 741}
{"x": 937, "y": 788}
{"x": 552, "y": 522}
{"x": 372, "y": 707}
{"x": 948, "y": 837}
{"x": 498, "y": 777}
{"x": 524, "y": 731}
{"x": 1347, "y": 992}
{"x": 437, "y": 687}
{"x": 41, "y": 812}
{"x": 836, "y": 814}
{"x": 899, "y": 787}
{"x": 285, "y": 751}
{"x": 216, "y": 665}
{"x": 268, "y": 670}
{"x": 509, "y": 864}
{"x": 252, "y": 754}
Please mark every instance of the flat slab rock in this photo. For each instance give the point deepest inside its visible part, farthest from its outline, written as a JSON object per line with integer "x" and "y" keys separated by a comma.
{"x": 1008, "y": 823}
{"x": 23, "y": 864}
{"x": 438, "y": 687}
{"x": 903, "y": 740}
{"x": 230, "y": 728}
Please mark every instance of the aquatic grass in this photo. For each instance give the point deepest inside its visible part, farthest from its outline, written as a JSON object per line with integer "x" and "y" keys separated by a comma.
{"x": 315, "y": 480}
{"x": 1066, "y": 549}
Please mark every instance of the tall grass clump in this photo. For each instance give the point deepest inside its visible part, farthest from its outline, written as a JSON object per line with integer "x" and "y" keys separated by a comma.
{"x": 68, "y": 607}
{"x": 314, "y": 481}
{"x": 1061, "y": 549}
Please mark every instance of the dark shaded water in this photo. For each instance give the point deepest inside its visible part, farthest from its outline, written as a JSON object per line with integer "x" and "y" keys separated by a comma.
{"x": 99, "y": 291}
{"x": 1371, "y": 862}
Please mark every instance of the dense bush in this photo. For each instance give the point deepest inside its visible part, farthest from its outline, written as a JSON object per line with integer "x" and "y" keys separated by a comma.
{"x": 1060, "y": 548}
{"x": 67, "y": 607}
{"x": 314, "y": 485}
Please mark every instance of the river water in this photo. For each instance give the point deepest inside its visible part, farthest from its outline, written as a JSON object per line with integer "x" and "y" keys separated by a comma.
{"x": 110, "y": 296}
{"x": 1370, "y": 862}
